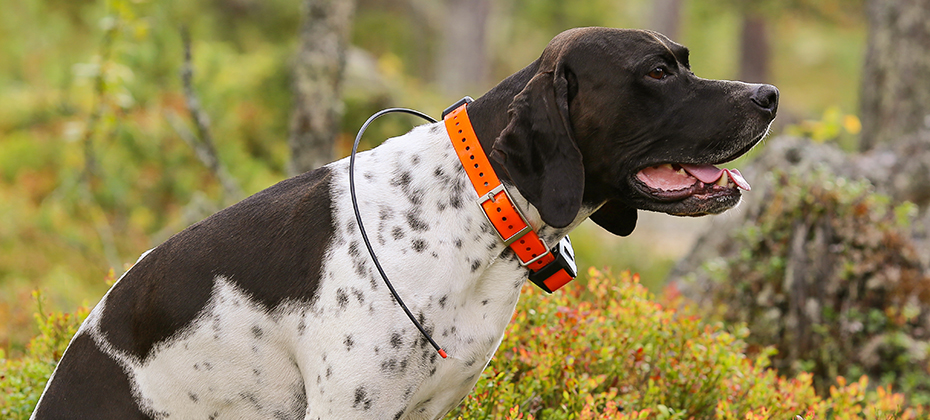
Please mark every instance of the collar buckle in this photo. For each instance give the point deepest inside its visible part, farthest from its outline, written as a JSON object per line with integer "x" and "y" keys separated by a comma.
{"x": 491, "y": 196}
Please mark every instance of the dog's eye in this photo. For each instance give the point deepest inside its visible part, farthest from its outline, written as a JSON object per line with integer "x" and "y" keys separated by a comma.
{"x": 658, "y": 73}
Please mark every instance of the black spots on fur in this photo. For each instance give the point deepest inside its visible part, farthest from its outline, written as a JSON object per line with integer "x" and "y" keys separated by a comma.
{"x": 251, "y": 399}
{"x": 393, "y": 367}
{"x": 439, "y": 173}
{"x": 398, "y": 415}
{"x": 359, "y": 296}
{"x": 203, "y": 365}
{"x": 415, "y": 159}
{"x": 486, "y": 227}
{"x": 329, "y": 371}
{"x": 369, "y": 176}
{"x": 358, "y": 261}
{"x": 396, "y": 340}
{"x": 351, "y": 226}
{"x": 193, "y": 397}
{"x": 349, "y": 343}
{"x": 458, "y": 243}
{"x": 484, "y": 302}
{"x": 442, "y": 301}
{"x": 434, "y": 255}
{"x": 361, "y": 399}
{"x": 455, "y": 196}
{"x": 475, "y": 265}
{"x": 301, "y": 326}
{"x": 217, "y": 327}
{"x": 432, "y": 371}
{"x": 415, "y": 222}
{"x": 342, "y": 298}
{"x": 397, "y": 233}
{"x": 257, "y": 332}
{"x": 360, "y": 267}
{"x": 419, "y": 245}
{"x": 385, "y": 213}
{"x": 471, "y": 361}
{"x": 402, "y": 180}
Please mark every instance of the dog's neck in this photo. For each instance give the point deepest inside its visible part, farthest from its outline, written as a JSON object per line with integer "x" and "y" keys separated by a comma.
{"x": 488, "y": 113}
{"x": 489, "y": 116}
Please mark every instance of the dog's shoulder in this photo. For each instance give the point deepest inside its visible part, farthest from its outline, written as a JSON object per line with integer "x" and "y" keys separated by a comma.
{"x": 276, "y": 237}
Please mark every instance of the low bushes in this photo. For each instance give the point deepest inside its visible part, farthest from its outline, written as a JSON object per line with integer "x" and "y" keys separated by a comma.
{"x": 609, "y": 351}
{"x": 826, "y": 272}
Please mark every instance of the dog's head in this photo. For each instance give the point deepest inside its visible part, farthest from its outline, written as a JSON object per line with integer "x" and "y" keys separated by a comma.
{"x": 615, "y": 120}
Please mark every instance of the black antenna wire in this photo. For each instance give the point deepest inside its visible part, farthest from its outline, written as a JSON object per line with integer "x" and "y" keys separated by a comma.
{"x": 361, "y": 227}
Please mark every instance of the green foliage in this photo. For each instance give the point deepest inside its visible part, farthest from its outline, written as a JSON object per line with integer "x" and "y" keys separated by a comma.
{"x": 23, "y": 379}
{"x": 828, "y": 275}
{"x": 609, "y": 351}
{"x": 834, "y": 125}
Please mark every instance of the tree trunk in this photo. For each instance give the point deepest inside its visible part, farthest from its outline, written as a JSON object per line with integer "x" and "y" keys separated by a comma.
{"x": 754, "y": 49}
{"x": 666, "y": 18}
{"x": 895, "y": 98}
{"x": 462, "y": 62}
{"x": 318, "y": 75}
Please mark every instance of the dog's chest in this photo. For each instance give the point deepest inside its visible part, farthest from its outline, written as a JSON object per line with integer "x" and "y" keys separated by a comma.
{"x": 441, "y": 256}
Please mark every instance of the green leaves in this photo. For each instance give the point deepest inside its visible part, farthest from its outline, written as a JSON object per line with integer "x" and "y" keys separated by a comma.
{"x": 610, "y": 351}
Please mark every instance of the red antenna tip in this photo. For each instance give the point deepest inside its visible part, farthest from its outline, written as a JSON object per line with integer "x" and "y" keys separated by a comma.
{"x": 443, "y": 353}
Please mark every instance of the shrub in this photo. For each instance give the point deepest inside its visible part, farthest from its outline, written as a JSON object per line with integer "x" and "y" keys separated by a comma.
{"x": 23, "y": 379}
{"x": 609, "y": 351}
{"x": 827, "y": 273}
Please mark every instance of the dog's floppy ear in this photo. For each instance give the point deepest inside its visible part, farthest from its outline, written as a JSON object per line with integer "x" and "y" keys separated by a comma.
{"x": 616, "y": 218}
{"x": 538, "y": 152}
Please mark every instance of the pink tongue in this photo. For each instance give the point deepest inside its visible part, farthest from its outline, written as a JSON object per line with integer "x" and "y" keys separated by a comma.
{"x": 709, "y": 174}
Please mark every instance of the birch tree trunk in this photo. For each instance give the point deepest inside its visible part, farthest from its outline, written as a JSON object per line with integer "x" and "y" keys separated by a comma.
{"x": 754, "y": 49}
{"x": 318, "y": 74}
{"x": 462, "y": 63}
{"x": 666, "y": 18}
{"x": 895, "y": 95}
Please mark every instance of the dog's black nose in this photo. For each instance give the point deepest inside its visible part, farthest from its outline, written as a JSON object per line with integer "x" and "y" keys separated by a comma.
{"x": 766, "y": 97}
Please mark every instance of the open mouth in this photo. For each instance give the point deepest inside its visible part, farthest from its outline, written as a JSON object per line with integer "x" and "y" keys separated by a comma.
{"x": 691, "y": 189}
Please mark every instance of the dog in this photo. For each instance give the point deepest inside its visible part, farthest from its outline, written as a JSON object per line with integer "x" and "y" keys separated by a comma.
{"x": 271, "y": 308}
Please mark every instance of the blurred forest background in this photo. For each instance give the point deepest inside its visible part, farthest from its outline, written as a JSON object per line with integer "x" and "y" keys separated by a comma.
{"x": 110, "y": 141}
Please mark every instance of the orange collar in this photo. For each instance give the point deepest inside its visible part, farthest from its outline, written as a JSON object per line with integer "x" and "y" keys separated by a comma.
{"x": 549, "y": 271}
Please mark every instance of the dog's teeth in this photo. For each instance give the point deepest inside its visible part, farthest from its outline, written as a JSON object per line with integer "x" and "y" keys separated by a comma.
{"x": 666, "y": 166}
{"x": 724, "y": 180}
